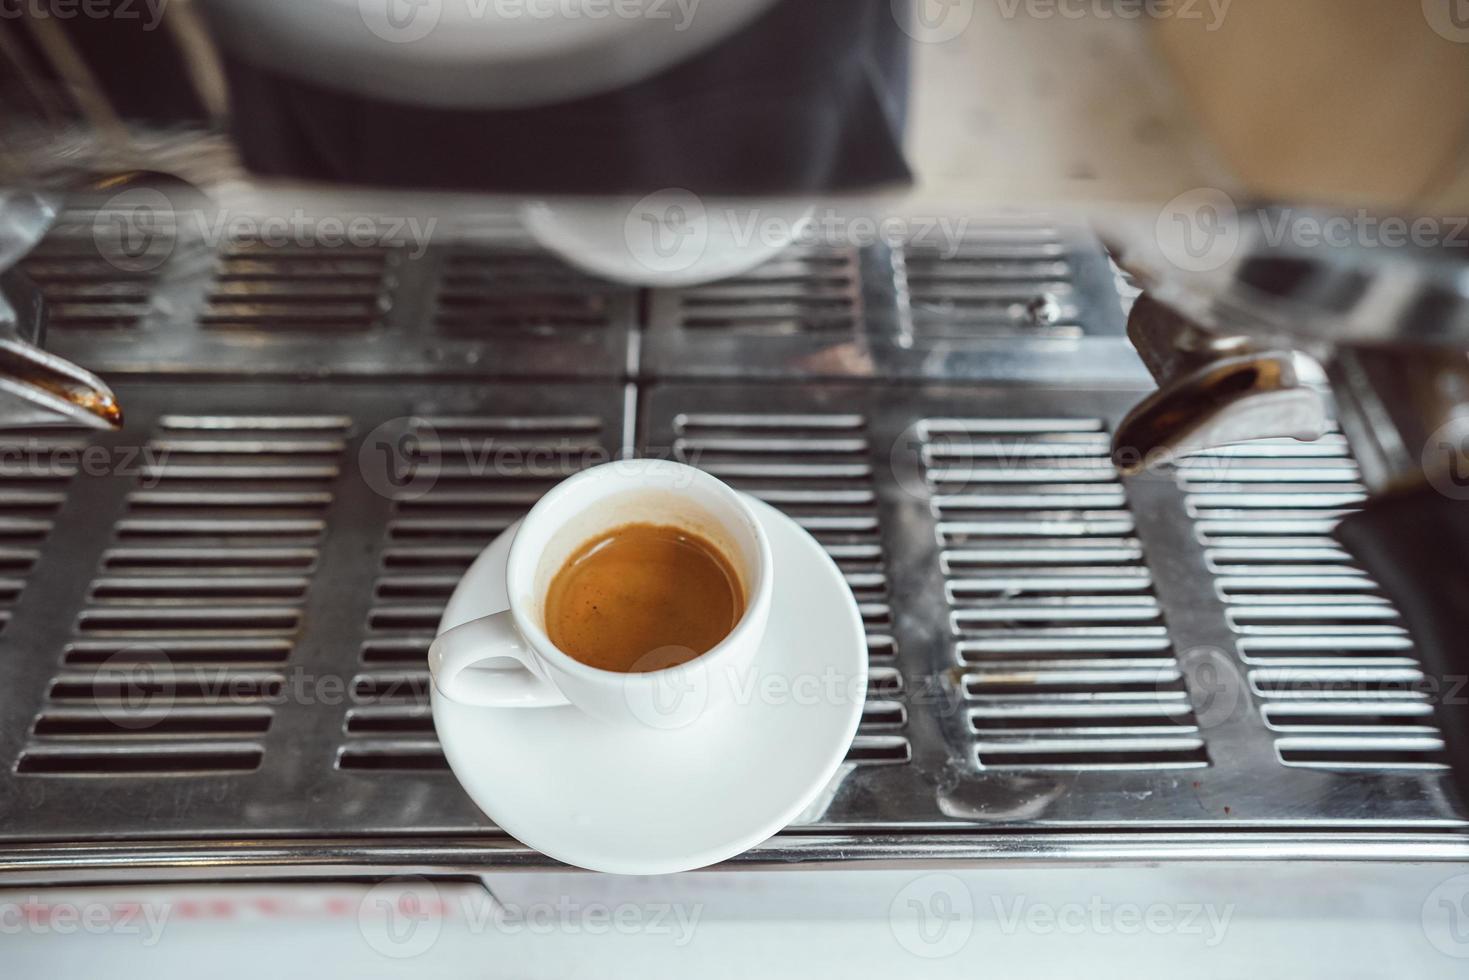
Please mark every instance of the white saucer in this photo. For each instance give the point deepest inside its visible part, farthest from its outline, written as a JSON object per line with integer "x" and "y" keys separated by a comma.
{"x": 632, "y": 801}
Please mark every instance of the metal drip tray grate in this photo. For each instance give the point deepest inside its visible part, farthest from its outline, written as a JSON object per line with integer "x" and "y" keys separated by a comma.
{"x": 813, "y": 290}
{"x": 259, "y": 286}
{"x": 204, "y": 577}
{"x": 994, "y": 282}
{"x": 1068, "y": 662}
{"x": 518, "y": 289}
{"x": 264, "y": 308}
{"x": 242, "y": 652}
{"x": 1028, "y": 299}
{"x": 487, "y": 471}
{"x": 1062, "y": 654}
{"x": 214, "y": 624}
{"x": 818, "y": 469}
{"x": 1326, "y": 653}
{"x": 35, "y": 469}
{"x": 93, "y": 277}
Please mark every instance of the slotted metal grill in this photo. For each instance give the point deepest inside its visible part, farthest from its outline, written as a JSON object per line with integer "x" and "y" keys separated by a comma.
{"x": 35, "y": 467}
{"x": 991, "y": 281}
{"x": 507, "y": 307}
{"x": 271, "y": 309}
{"x": 475, "y": 476}
{"x": 301, "y": 288}
{"x": 818, "y": 470}
{"x": 1326, "y": 652}
{"x": 937, "y": 306}
{"x": 1068, "y": 663}
{"x": 810, "y": 289}
{"x": 518, "y": 288}
{"x": 176, "y": 655}
{"x": 1029, "y": 661}
{"x": 98, "y": 271}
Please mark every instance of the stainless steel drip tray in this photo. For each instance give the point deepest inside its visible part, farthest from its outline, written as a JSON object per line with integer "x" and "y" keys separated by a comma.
{"x": 214, "y": 622}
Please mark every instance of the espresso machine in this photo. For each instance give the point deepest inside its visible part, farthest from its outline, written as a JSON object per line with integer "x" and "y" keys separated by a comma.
{"x": 1116, "y": 353}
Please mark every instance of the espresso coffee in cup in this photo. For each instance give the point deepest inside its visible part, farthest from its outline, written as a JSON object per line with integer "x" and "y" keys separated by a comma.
{"x": 643, "y": 597}
{"x": 625, "y": 582}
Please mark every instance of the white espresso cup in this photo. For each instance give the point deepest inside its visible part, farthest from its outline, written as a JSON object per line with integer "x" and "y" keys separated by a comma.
{"x": 507, "y": 660}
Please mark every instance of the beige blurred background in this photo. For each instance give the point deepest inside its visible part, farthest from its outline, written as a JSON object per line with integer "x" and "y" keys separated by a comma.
{"x": 1343, "y": 102}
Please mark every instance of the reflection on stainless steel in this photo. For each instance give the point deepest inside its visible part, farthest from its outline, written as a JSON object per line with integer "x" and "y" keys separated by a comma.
{"x": 369, "y": 858}
{"x": 223, "y": 639}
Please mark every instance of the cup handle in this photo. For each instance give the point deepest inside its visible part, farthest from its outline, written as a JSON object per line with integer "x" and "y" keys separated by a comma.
{"x": 460, "y": 661}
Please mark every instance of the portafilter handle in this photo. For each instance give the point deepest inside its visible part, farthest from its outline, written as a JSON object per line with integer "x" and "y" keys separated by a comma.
{"x": 1212, "y": 392}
